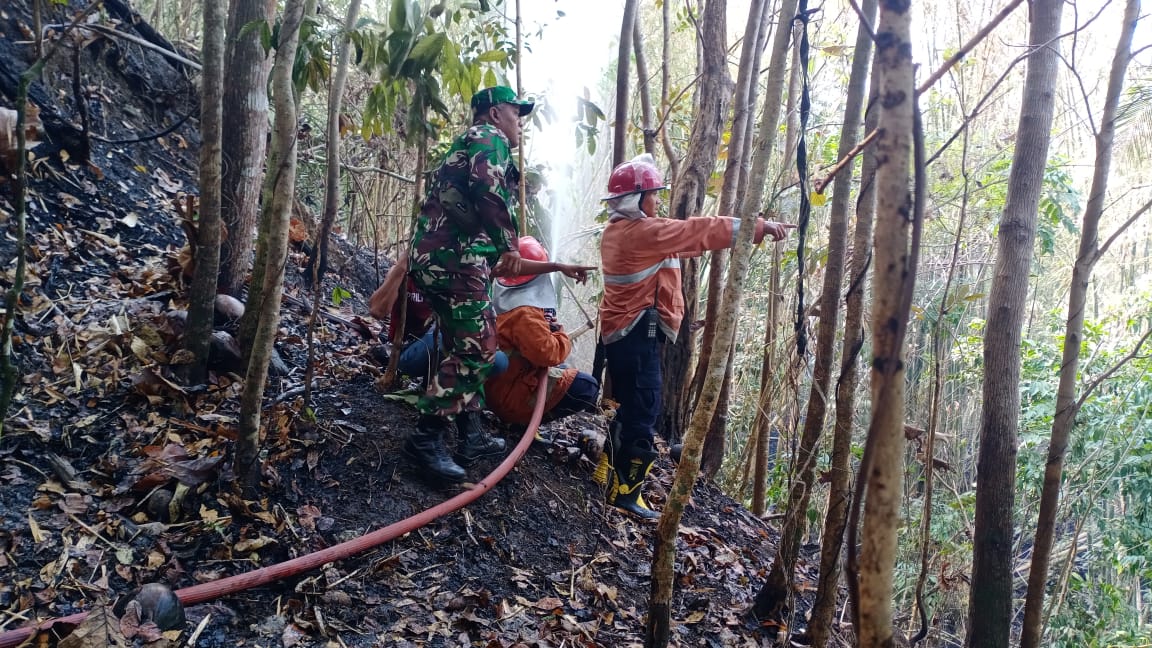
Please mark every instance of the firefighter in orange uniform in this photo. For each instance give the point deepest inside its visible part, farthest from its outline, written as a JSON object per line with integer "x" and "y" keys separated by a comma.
{"x": 527, "y": 331}
{"x": 642, "y": 307}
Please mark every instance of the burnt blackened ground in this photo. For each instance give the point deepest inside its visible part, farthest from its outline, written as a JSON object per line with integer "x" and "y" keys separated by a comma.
{"x": 539, "y": 560}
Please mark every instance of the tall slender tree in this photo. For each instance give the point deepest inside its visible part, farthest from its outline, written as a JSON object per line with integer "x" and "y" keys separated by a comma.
{"x": 202, "y": 296}
{"x": 279, "y": 191}
{"x": 881, "y": 470}
{"x": 739, "y": 154}
{"x": 318, "y": 264}
{"x": 778, "y": 587}
{"x": 644, "y": 87}
{"x": 838, "y": 493}
{"x": 715, "y": 89}
{"x": 766, "y": 426}
{"x": 752, "y": 200}
{"x": 246, "y": 122}
{"x": 665, "y": 88}
{"x": 777, "y": 77}
{"x": 1066, "y": 401}
{"x": 990, "y": 599}
{"x": 623, "y": 70}
{"x": 689, "y": 191}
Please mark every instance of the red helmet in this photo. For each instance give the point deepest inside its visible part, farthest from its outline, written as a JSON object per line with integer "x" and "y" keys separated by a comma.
{"x": 634, "y": 176}
{"x": 530, "y": 249}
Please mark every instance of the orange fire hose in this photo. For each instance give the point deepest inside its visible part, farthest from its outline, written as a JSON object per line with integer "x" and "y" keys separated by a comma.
{"x": 240, "y": 582}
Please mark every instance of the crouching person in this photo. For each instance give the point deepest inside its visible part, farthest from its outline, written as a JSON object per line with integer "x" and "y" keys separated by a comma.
{"x": 642, "y": 308}
{"x": 420, "y": 347}
{"x": 527, "y": 331}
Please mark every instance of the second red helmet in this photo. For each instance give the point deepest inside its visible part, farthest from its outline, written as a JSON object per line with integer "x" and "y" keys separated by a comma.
{"x": 635, "y": 176}
{"x": 532, "y": 250}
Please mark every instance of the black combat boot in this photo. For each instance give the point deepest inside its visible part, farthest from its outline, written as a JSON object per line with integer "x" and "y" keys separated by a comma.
{"x": 475, "y": 442}
{"x": 425, "y": 447}
{"x": 629, "y": 468}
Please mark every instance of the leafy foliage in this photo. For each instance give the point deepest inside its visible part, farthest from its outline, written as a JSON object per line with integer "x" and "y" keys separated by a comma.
{"x": 406, "y": 54}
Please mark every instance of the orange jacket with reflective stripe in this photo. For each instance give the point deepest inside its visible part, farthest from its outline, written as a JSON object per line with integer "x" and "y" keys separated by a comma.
{"x": 525, "y": 336}
{"x": 640, "y": 263}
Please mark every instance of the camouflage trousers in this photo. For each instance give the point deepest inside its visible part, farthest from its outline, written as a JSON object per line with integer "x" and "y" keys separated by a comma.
{"x": 462, "y": 307}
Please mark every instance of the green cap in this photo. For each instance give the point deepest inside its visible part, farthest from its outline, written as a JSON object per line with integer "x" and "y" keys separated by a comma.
{"x": 497, "y": 95}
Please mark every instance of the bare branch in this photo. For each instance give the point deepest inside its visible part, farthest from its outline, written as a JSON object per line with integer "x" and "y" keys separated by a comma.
{"x": 108, "y": 31}
{"x": 819, "y": 185}
{"x": 675, "y": 100}
{"x": 1071, "y": 65}
{"x": 969, "y": 46}
{"x": 1111, "y": 370}
{"x": 867, "y": 24}
{"x": 1120, "y": 230}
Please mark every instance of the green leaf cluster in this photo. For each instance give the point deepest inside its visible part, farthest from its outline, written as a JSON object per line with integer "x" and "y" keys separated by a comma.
{"x": 421, "y": 69}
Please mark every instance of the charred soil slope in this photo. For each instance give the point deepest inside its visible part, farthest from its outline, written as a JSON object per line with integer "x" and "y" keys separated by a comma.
{"x": 112, "y": 475}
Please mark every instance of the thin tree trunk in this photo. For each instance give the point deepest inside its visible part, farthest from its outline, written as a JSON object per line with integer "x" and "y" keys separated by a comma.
{"x": 664, "y": 553}
{"x": 715, "y": 442}
{"x": 765, "y": 455}
{"x": 715, "y": 92}
{"x": 9, "y": 374}
{"x": 280, "y": 188}
{"x": 623, "y": 67}
{"x": 882, "y": 467}
{"x": 688, "y": 199}
{"x": 665, "y": 106}
{"x": 318, "y": 264}
{"x": 332, "y": 148}
{"x": 776, "y": 590}
{"x": 990, "y": 600}
{"x": 939, "y": 355}
{"x": 202, "y": 296}
{"x": 838, "y": 495}
{"x": 1066, "y": 399}
{"x": 246, "y": 122}
{"x": 734, "y": 171}
{"x": 773, "y": 94}
{"x": 753, "y": 196}
{"x": 644, "y": 87}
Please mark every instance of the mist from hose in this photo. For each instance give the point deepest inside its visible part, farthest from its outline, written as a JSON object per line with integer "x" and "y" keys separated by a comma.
{"x": 573, "y": 44}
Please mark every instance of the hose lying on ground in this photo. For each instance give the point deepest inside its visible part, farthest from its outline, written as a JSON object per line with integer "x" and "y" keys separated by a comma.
{"x": 272, "y": 573}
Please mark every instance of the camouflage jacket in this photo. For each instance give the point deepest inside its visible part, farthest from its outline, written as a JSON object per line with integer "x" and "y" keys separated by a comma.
{"x": 468, "y": 220}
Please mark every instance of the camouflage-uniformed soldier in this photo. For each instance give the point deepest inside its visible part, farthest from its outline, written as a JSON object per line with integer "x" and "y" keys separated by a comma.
{"x": 466, "y": 231}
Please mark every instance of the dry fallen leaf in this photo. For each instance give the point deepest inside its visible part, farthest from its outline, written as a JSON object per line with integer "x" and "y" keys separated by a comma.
{"x": 253, "y": 544}
{"x": 37, "y": 533}
{"x": 98, "y": 630}
{"x": 548, "y": 603}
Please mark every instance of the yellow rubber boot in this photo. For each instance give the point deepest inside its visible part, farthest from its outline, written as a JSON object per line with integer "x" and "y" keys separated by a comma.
{"x": 628, "y": 476}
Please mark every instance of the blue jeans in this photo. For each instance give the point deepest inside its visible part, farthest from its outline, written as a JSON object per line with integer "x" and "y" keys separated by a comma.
{"x": 580, "y": 397}
{"x": 419, "y": 358}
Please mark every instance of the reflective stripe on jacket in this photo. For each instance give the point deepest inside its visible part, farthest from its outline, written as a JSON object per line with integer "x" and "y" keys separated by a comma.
{"x": 640, "y": 263}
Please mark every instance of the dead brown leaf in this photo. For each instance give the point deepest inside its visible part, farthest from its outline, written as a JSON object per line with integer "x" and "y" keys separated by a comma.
{"x": 548, "y": 603}
{"x": 100, "y": 629}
